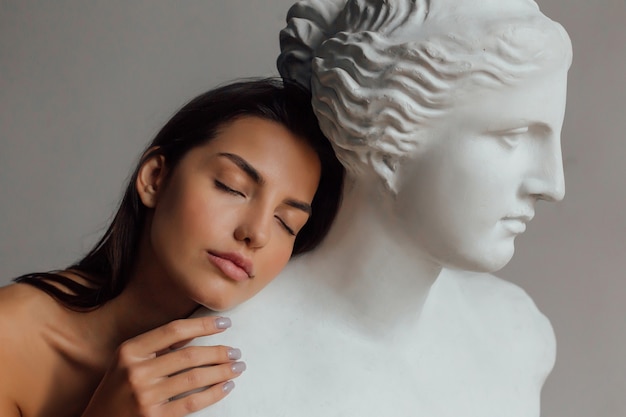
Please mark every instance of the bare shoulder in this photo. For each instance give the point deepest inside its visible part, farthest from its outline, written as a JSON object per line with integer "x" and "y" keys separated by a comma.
{"x": 21, "y": 310}
{"x": 20, "y": 304}
{"x": 24, "y": 311}
{"x": 509, "y": 316}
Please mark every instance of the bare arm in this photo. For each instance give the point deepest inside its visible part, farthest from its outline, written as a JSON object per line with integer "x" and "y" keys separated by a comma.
{"x": 9, "y": 337}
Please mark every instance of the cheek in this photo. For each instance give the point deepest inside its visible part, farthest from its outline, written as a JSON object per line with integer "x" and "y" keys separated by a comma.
{"x": 184, "y": 217}
{"x": 475, "y": 184}
{"x": 275, "y": 260}
{"x": 280, "y": 259}
{"x": 430, "y": 192}
{"x": 173, "y": 214}
{"x": 446, "y": 201}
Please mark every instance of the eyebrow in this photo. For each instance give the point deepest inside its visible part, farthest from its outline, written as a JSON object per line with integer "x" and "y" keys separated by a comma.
{"x": 256, "y": 176}
{"x": 300, "y": 205}
{"x": 245, "y": 167}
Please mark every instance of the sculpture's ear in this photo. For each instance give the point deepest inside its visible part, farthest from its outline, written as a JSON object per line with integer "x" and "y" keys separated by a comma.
{"x": 395, "y": 150}
{"x": 386, "y": 166}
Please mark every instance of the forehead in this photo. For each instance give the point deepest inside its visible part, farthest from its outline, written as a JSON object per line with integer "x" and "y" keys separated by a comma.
{"x": 537, "y": 99}
{"x": 487, "y": 49}
{"x": 280, "y": 156}
{"x": 259, "y": 138}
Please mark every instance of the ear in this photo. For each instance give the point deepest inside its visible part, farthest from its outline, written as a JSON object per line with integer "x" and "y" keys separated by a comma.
{"x": 392, "y": 150}
{"x": 150, "y": 178}
{"x": 386, "y": 167}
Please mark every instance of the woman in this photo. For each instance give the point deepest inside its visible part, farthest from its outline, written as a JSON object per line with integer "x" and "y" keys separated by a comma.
{"x": 237, "y": 182}
{"x": 447, "y": 115}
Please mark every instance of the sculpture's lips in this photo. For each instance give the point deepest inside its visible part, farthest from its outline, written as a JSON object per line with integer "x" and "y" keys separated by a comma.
{"x": 516, "y": 224}
{"x": 234, "y": 265}
{"x": 522, "y": 217}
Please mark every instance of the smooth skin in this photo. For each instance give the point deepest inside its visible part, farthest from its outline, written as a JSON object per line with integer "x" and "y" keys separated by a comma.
{"x": 246, "y": 192}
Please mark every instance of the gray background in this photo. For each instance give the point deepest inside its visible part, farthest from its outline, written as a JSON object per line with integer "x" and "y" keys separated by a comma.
{"x": 85, "y": 85}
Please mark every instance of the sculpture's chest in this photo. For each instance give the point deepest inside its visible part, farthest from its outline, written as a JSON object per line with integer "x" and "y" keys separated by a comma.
{"x": 328, "y": 371}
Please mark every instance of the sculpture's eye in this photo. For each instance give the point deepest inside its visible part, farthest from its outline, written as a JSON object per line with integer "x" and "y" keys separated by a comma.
{"x": 512, "y": 137}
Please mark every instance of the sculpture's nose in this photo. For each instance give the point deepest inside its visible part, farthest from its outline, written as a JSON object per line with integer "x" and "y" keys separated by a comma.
{"x": 545, "y": 179}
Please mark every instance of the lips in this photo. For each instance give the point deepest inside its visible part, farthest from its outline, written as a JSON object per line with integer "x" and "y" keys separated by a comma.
{"x": 516, "y": 224}
{"x": 525, "y": 217}
{"x": 233, "y": 265}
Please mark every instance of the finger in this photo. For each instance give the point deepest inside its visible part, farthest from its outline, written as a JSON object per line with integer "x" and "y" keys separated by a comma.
{"x": 178, "y": 345}
{"x": 199, "y": 400}
{"x": 190, "y": 357}
{"x": 165, "y": 336}
{"x": 197, "y": 379}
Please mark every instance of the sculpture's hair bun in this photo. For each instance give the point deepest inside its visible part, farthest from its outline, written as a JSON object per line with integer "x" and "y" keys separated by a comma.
{"x": 309, "y": 23}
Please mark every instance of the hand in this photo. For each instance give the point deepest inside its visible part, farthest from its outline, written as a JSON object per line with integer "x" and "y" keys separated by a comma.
{"x": 149, "y": 375}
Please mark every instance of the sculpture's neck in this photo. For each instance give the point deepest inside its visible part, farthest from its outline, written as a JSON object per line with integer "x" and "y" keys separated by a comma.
{"x": 369, "y": 263}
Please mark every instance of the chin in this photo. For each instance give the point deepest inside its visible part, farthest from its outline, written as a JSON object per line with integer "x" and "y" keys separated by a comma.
{"x": 216, "y": 302}
{"x": 494, "y": 260}
{"x": 220, "y": 305}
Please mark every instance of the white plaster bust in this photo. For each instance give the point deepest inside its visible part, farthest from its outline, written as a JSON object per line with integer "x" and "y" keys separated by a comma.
{"x": 447, "y": 115}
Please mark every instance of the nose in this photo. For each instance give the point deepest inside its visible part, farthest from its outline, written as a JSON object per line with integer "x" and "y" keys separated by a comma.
{"x": 254, "y": 229}
{"x": 546, "y": 179}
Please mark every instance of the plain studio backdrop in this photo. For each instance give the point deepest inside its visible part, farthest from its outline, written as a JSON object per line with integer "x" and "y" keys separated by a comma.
{"x": 85, "y": 85}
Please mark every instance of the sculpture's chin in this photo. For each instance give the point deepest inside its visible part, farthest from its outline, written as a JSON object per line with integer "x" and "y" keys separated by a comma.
{"x": 485, "y": 261}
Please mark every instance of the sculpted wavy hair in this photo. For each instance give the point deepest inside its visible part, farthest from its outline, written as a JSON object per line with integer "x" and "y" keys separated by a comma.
{"x": 381, "y": 72}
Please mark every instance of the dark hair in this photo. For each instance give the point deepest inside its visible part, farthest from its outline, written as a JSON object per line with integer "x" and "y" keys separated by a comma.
{"x": 107, "y": 267}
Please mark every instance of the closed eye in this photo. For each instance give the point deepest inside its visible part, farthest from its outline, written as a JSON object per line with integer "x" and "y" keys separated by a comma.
{"x": 285, "y": 226}
{"x": 220, "y": 185}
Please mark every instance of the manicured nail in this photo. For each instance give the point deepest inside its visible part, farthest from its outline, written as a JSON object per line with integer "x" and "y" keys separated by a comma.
{"x": 228, "y": 386}
{"x": 234, "y": 354}
{"x": 238, "y": 367}
{"x": 222, "y": 322}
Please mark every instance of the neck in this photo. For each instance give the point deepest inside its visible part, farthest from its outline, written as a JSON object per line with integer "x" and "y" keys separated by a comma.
{"x": 368, "y": 262}
{"x": 140, "y": 308}
{"x": 148, "y": 301}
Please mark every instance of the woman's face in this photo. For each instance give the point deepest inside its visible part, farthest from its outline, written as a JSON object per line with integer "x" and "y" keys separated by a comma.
{"x": 225, "y": 220}
{"x": 473, "y": 186}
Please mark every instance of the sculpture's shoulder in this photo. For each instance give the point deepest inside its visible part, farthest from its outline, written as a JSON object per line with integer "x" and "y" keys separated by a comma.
{"x": 507, "y": 316}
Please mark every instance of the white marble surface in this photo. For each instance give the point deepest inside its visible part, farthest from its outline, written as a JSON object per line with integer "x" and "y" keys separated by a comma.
{"x": 481, "y": 344}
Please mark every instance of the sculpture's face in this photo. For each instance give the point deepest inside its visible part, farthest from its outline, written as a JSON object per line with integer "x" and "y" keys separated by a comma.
{"x": 473, "y": 186}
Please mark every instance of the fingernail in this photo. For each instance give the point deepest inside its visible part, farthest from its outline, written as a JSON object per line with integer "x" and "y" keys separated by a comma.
{"x": 222, "y": 322}
{"x": 238, "y": 367}
{"x": 228, "y": 386}
{"x": 234, "y": 354}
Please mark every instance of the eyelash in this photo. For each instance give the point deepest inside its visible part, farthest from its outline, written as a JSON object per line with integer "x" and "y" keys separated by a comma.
{"x": 226, "y": 188}
{"x": 229, "y": 190}
{"x": 284, "y": 225}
